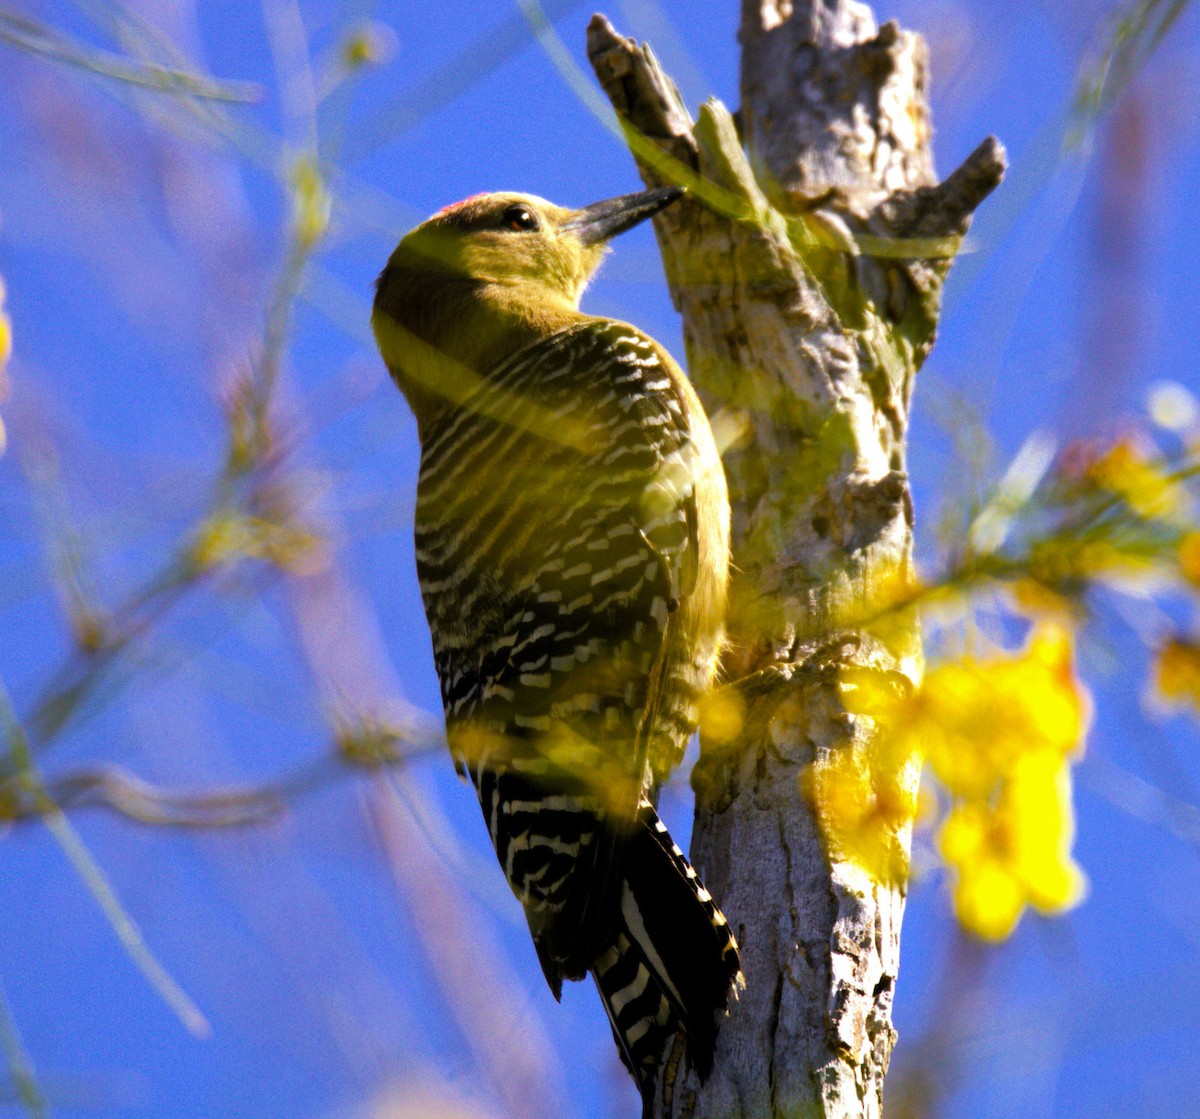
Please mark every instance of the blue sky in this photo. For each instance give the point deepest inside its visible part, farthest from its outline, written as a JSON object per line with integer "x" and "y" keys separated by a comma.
{"x": 360, "y": 953}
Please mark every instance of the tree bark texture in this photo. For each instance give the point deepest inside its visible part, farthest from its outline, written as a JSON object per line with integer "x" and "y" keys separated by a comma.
{"x": 807, "y": 265}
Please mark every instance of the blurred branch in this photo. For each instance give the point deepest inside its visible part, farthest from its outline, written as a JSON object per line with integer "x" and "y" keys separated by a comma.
{"x": 1140, "y": 799}
{"x": 37, "y": 38}
{"x": 294, "y": 79}
{"x": 253, "y": 143}
{"x": 310, "y": 212}
{"x": 94, "y": 878}
{"x": 486, "y": 998}
{"x": 252, "y": 513}
{"x": 20, "y": 1067}
{"x": 77, "y": 682}
{"x": 368, "y": 745}
{"x": 138, "y": 800}
{"x": 447, "y": 82}
{"x": 1055, "y": 162}
{"x": 67, "y": 546}
{"x": 1137, "y": 31}
{"x": 1100, "y": 518}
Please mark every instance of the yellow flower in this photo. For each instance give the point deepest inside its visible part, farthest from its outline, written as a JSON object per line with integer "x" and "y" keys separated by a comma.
{"x": 5, "y": 353}
{"x": 999, "y": 732}
{"x": 1189, "y": 558}
{"x": 977, "y": 717}
{"x": 1016, "y": 852}
{"x": 5, "y": 331}
{"x": 1177, "y": 672}
{"x": 1127, "y": 470}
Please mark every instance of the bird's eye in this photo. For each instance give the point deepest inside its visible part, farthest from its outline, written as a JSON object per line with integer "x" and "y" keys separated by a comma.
{"x": 519, "y": 219}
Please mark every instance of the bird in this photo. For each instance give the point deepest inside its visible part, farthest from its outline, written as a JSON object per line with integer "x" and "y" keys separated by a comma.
{"x": 572, "y": 548}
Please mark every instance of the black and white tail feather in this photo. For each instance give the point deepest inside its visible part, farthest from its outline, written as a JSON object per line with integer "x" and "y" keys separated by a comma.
{"x": 673, "y": 965}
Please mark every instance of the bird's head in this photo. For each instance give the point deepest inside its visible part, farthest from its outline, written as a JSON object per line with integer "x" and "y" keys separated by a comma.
{"x": 522, "y": 240}
{"x": 488, "y": 275}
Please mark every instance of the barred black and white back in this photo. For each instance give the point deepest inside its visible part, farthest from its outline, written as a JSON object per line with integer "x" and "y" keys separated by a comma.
{"x": 561, "y": 538}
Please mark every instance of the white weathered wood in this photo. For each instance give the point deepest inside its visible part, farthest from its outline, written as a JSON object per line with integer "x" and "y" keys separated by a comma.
{"x": 809, "y": 286}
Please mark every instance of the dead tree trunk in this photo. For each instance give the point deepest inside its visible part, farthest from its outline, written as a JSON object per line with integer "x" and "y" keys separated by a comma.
{"x": 807, "y": 266}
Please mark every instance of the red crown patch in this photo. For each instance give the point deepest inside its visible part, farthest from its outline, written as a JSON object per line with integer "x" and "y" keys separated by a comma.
{"x": 446, "y": 210}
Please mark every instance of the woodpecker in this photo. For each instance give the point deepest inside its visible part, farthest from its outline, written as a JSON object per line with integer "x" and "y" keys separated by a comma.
{"x": 572, "y": 544}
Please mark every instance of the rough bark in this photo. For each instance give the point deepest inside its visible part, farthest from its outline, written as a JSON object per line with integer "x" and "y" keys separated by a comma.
{"x": 807, "y": 265}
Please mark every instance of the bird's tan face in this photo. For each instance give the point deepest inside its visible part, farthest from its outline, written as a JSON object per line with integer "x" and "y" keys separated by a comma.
{"x": 507, "y": 239}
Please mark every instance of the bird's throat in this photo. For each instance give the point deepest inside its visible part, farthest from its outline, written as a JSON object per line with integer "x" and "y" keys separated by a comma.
{"x": 441, "y": 332}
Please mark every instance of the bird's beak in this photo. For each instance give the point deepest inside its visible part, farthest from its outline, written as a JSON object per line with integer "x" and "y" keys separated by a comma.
{"x": 601, "y": 221}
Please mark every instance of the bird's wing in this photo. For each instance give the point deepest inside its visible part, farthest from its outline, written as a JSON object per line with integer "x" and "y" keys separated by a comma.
{"x": 553, "y": 555}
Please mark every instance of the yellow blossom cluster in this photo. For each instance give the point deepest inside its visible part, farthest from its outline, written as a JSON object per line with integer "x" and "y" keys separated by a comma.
{"x": 974, "y": 717}
{"x": 1177, "y": 672}
{"x": 1189, "y": 558}
{"x": 1128, "y": 470}
{"x": 999, "y": 733}
{"x": 369, "y": 742}
{"x": 5, "y": 331}
{"x": 1001, "y": 729}
{"x": 1150, "y": 532}
{"x": 1121, "y": 511}
{"x": 1177, "y": 659}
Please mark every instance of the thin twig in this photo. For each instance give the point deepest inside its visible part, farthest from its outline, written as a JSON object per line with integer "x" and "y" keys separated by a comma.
{"x": 37, "y": 38}
{"x": 20, "y": 1067}
{"x": 448, "y": 82}
{"x": 138, "y": 800}
{"x": 88, "y": 869}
